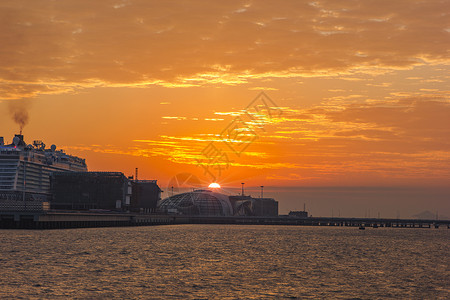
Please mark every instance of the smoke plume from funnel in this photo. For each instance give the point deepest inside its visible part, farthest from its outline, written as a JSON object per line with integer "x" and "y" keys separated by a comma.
{"x": 19, "y": 113}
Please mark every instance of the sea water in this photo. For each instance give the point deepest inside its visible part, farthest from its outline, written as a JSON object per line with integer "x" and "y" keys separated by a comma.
{"x": 225, "y": 262}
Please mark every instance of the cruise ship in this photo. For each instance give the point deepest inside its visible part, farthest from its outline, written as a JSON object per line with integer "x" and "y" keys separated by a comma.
{"x": 25, "y": 171}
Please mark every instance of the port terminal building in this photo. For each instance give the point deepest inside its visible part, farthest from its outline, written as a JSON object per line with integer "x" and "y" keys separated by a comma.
{"x": 205, "y": 202}
{"x": 103, "y": 191}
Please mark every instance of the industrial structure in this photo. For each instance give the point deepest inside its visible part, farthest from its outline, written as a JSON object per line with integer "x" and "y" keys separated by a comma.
{"x": 298, "y": 213}
{"x": 212, "y": 203}
{"x": 198, "y": 202}
{"x": 90, "y": 190}
{"x": 103, "y": 191}
{"x": 145, "y": 196}
{"x": 249, "y": 206}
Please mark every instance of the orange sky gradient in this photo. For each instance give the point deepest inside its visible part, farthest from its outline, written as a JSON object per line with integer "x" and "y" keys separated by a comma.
{"x": 360, "y": 88}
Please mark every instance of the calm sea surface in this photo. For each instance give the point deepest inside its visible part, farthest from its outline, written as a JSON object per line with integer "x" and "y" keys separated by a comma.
{"x": 225, "y": 262}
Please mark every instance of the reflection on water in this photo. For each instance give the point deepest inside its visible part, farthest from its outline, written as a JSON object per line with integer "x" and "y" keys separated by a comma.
{"x": 225, "y": 261}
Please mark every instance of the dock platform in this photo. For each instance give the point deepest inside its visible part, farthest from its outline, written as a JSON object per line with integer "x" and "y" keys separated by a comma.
{"x": 72, "y": 219}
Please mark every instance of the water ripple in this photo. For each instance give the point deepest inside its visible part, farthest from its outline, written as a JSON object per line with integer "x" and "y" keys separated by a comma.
{"x": 226, "y": 262}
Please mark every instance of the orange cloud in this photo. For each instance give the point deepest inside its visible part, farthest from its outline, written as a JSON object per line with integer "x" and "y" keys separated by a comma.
{"x": 63, "y": 46}
{"x": 370, "y": 142}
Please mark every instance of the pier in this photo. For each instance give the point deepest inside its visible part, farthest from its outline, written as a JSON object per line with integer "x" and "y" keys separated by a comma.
{"x": 71, "y": 219}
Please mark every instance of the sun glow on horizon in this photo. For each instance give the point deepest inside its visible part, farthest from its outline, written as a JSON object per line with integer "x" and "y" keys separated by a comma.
{"x": 214, "y": 185}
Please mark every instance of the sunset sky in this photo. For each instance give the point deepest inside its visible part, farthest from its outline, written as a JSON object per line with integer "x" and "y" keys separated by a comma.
{"x": 355, "y": 93}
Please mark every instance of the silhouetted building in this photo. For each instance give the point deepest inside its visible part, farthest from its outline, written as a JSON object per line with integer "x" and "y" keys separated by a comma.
{"x": 242, "y": 205}
{"x": 298, "y": 214}
{"x": 264, "y": 207}
{"x": 90, "y": 190}
{"x": 198, "y": 202}
{"x": 145, "y": 195}
{"x": 249, "y": 206}
{"x": 209, "y": 202}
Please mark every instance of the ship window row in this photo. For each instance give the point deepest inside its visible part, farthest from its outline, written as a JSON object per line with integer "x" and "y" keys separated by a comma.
{"x": 8, "y": 167}
{"x": 31, "y": 174}
{"x": 7, "y": 174}
{"x": 31, "y": 168}
{"x": 36, "y": 182}
{"x": 30, "y": 183}
{"x": 8, "y": 170}
{"x": 28, "y": 175}
{"x": 36, "y": 174}
{"x": 33, "y": 181}
{"x": 7, "y": 180}
{"x": 6, "y": 183}
{"x": 6, "y": 187}
{"x": 33, "y": 188}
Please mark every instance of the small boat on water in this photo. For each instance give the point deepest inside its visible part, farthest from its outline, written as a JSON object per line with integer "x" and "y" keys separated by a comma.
{"x": 362, "y": 227}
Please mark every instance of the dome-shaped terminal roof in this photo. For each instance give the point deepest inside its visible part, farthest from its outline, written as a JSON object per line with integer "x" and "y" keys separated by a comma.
{"x": 199, "y": 202}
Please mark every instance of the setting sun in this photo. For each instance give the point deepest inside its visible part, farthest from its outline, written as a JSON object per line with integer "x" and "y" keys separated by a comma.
{"x": 214, "y": 185}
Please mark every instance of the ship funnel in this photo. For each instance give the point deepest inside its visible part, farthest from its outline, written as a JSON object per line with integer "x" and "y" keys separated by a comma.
{"x": 18, "y": 140}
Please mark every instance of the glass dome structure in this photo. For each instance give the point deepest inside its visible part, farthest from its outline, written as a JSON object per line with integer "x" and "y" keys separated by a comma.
{"x": 199, "y": 202}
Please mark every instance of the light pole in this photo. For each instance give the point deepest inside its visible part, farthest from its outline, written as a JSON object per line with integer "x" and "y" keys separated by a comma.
{"x": 262, "y": 201}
